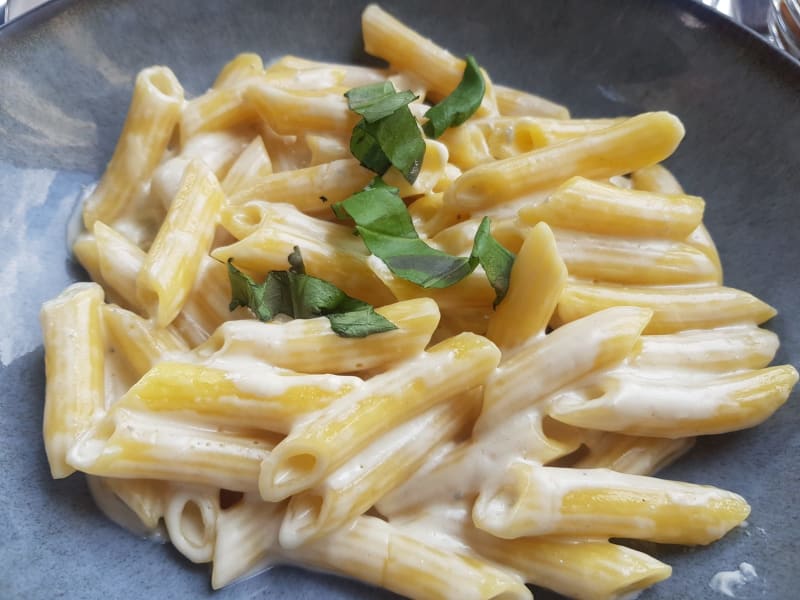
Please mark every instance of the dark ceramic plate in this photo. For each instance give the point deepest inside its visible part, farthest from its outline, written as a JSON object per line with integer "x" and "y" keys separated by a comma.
{"x": 65, "y": 80}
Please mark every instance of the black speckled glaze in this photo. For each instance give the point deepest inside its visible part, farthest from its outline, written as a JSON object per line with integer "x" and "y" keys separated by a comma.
{"x": 65, "y": 79}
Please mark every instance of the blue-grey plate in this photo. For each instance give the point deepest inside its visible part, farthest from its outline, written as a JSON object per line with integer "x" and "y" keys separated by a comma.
{"x": 65, "y": 81}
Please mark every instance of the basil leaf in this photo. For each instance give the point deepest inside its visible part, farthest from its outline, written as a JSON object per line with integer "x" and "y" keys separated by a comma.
{"x": 383, "y": 222}
{"x": 302, "y": 296}
{"x": 377, "y": 100}
{"x": 388, "y": 133}
{"x": 495, "y": 259}
{"x": 460, "y": 105}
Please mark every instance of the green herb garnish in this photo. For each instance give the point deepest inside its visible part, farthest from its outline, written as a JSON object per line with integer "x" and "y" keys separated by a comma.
{"x": 388, "y": 133}
{"x": 302, "y": 296}
{"x": 383, "y": 222}
{"x": 460, "y": 105}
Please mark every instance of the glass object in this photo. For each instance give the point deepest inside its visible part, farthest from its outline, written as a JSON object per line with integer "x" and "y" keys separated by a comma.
{"x": 784, "y": 25}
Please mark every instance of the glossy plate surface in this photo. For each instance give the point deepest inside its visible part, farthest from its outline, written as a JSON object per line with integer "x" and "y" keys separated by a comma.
{"x": 65, "y": 81}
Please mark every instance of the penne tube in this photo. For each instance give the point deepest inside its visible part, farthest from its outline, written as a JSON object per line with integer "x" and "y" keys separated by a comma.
{"x": 605, "y": 209}
{"x": 312, "y": 189}
{"x": 406, "y": 50}
{"x": 152, "y": 116}
{"x": 721, "y": 349}
{"x": 633, "y": 261}
{"x": 217, "y": 109}
{"x": 140, "y": 342}
{"x": 190, "y": 516}
{"x": 636, "y": 142}
{"x": 326, "y": 148}
{"x": 516, "y": 103}
{"x": 350, "y": 490}
{"x": 379, "y": 553}
{"x": 537, "y": 278}
{"x": 638, "y": 403}
{"x": 297, "y": 73}
{"x": 701, "y": 239}
{"x": 631, "y": 454}
{"x": 330, "y": 251}
{"x": 674, "y": 308}
{"x": 243, "y": 67}
{"x": 252, "y": 165}
{"x": 246, "y": 540}
{"x": 136, "y": 445}
{"x": 576, "y": 568}
{"x": 321, "y": 444}
{"x": 289, "y": 112}
{"x": 169, "y": 270}
{"x": 531, "y": 500}
{"x": 217, "y": 149}
{"x": 120, "y": 262}
{"x": 234, "y": 395}
{"x": 311, "y": 346}
{"x": 146, "y": 498}
{"x": 460, "y": 472}
{"x": 74, "y": 353}
{"x": 543, "y": 365}
{"x": 656, "y": 178}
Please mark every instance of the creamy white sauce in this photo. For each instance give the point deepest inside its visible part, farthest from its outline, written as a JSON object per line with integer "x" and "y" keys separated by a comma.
{"x": 728, "y": 583}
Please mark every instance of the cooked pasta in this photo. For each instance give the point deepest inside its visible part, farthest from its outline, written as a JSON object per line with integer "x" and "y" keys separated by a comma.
{"x": 447, "y": 427}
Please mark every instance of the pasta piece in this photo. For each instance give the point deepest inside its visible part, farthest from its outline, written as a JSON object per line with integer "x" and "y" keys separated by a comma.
{"x": 237, "y": 395}
{"x": 138, "y": 340}
{"x": 656, "y": 178}
{"x": 634, "y": 143}
{"x": 529, "y": 500}
{"x": 701, "y": 239}
{"x": 543, "y": 365}
{"x": 637, "y": 404}
{"x": 634, "y": 261}
{"x": 721, "y": 349}
{"x": 605, "y": 209}
{"x": 171, "y": 265}
{"x": 516, "y": 103}
{"x": 379, "y": 553}
{"x": 431, "y": 172}
{"x": 326, "y": 148}
{"x": 355, "y": 486}
{"x": 74, "y": 366}
{"x": 291, "y": 111}
{"x": 246, "y": 540}
{"x": 321, "y": 444}
{"x": 581, "y": 569}
{"x": 537, "y": 278}
{"x": 135, "y": 445}
{"x": 311, "y": 346}
{"x": 292, "y": 72}
{"x": 631, "y": 454}
{"x": 217, "y": 109}
{"x": 190, "y": 515}
{"x": 252, "y": 165}
{"x": 674, "y": 308}
{"x": 243, "y": 67}
{"x": 406, "y": 50}
{"x": 152, "y": 116}
{"x": 145, "y": 497}
{"x": 306, "y": 188}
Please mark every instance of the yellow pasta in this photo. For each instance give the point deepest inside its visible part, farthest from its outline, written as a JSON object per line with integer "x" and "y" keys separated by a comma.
{"x": 74, "y": 355}
{"x": 534, "y": 500}
{"x": 152, "y": 116}
{"x": 477, "y": 446}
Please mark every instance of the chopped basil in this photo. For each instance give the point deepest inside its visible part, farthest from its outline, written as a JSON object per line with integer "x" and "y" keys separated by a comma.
{"x": 302, "y": 296}
{"x": 377, "y": 100}
{"x": 383, "y": 222}
{"x": 460, "y": 105}
{"x": 388, "y": 133}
